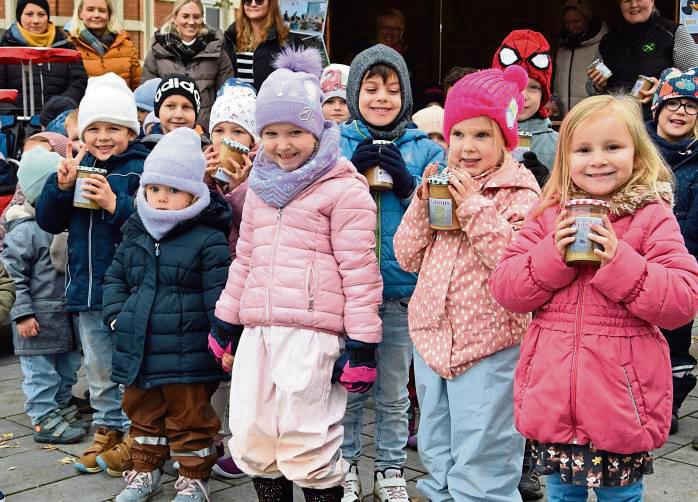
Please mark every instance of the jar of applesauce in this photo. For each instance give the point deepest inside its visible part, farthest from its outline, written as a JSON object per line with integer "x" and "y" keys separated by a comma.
{"x": 379, "y": 179}
{"x": 442, "y": 205}
{"x": 586, "y": 213}
{"x": 78, "y": 199}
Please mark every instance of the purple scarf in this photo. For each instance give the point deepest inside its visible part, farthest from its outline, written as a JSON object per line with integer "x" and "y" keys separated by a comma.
{"x": 277, "y": 187}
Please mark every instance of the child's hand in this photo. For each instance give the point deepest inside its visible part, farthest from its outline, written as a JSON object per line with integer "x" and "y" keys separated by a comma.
{"x": 423, "y": 190}
{"x": 28, "y": 327}
{"x": 227, "y": 362}
{"x": 68, "y": 168}
{"x": 96, "y": 188}
{"x": 461, "y": 185}
{"x": 237, "y": 172}
{"x": 564, "y": 232}
{"x": 606, "y": 236}
{"x": 646, "y": 96}
{"x": 212, "y": 163}
{"x": 599, "y": 81}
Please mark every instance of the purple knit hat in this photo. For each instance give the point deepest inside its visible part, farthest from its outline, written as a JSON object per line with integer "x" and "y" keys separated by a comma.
{"x": 291, "y": 94}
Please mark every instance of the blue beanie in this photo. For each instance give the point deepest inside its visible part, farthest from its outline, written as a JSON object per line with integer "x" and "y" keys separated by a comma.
{"x": 145, "y": 94}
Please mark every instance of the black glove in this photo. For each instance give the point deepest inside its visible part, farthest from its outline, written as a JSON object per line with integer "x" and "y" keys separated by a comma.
{"x": 365, "y": 156}
{"x": 392, "y": 162}
{"x": 356, "y": 367}
{"x": 224, "y": 338}
{"x": 531, "y": 162}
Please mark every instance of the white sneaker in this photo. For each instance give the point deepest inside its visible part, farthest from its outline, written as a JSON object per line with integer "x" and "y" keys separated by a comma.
{"x": 352, "y": 485}
{"x": 390, "y": 486}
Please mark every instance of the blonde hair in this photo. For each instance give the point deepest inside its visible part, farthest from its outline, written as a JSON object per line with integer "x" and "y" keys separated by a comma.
{"x": 648, "y": 167}
{"x": 499, "y": 142}
{"x": 169, "y": 24}
{"x": 76, "y": 24}
{"x": 244, "y": 37}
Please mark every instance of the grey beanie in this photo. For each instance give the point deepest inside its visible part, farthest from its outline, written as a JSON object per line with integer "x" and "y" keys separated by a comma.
{"x": 380, "y": 54}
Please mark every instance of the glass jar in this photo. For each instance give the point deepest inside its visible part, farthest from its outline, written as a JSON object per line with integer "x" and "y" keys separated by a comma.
{"x": 442, "y": 205}
{"x": 233, "y": 150}
{"x": 641, "y": 84}
{"x": 78, "y": 199}
{"x": 379, "y": 179}
{"x": 523, "y": 146}
{"x": 586, "y": 213}
{"x": 599, "y": 66}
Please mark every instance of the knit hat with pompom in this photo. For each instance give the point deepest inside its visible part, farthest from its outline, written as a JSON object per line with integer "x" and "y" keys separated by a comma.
{"x": 488, "y": 93}
{"x": 291, "y": 94}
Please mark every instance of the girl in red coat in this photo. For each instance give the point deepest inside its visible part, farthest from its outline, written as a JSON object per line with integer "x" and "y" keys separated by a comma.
{"x": 593, "y": 385}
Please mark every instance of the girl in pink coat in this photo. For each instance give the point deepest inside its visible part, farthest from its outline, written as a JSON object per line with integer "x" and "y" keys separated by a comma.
{"x": 306, "y": 287}
{"x": 466, "y": 344}
{"x": 593, "y": 385}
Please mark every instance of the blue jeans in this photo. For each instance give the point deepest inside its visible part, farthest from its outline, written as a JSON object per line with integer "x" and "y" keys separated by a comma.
{"x": 97, "y": 347}
{"x": 389, "y": 392}
{"x": 467, "y": 440}
{"x": 559, "y": 492}
{"x": 48, "y": 382}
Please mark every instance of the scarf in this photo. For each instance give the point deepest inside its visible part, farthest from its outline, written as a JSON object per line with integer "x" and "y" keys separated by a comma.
{"x": 185, "y": 53}
{"x": 158, "y": 223}
{"x": 33, "y": 39}
{"x": 674, "y": 153}
{"x": 99, "y": 44}
{"x": 277, "y": 187}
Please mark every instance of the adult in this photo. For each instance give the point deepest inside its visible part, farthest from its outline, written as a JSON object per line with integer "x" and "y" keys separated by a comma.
{"x": 105, "y": 46}
{"x": 579, "y": 42}
{"x": 645, "y": 44}
{"x": 185, "y": 45}
{"x": 57, "y": 86}
{"x": 255, "y": 39}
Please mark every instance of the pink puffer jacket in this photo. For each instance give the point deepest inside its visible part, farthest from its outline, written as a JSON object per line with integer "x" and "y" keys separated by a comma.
{"x": 594, "y": 367}
{"x": 311, "y": 264}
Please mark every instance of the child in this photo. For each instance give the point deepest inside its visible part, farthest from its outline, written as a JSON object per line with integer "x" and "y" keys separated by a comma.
{"x": 177, "y": 103}
{"x": 333, "y": 83}
{"x": 673, "y": 130}
{"x": 593, "y": 384}
{"x": 72, "y": 130}
{"x": 305, "y": 273}
{"x": 43, "y": 335}
{"x": 145, "y": 97}
{"x": 380, "y": 101}
{"x": 108, "y": 126}
{"x": 159, "y": 297}
{"x": 465, "y": 343}
{"x": 431, "y": 121}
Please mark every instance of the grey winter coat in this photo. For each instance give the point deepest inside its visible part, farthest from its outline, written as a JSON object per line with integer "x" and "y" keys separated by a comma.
{"x": 544, "y": 140}
{"x": 40, "y": 287}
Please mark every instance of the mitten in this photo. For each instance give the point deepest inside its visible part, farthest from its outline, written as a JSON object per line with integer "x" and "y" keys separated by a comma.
{"x": 392, "y": 162}
{"x": 531, "y": 162}
{"x": 356, "y": 367}
{"x": 365, "y": 156}
{"x": 224, "y": 338}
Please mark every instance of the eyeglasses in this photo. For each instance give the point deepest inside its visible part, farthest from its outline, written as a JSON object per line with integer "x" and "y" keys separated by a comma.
{"x": 690, "y": 107}
{"x": 256, "y": 2}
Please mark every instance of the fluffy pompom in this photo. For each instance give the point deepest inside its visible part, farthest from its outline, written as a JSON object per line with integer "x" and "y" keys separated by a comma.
{"x": 305, "y": 60}
{"x": 517, "y": 75}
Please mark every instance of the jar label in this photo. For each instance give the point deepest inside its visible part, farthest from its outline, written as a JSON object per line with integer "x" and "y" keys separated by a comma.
{"x": 639, "y": 83}
{"x": 440, "y": 212}
{"x": 582, "y": 243}
{"x": 77, "y": 195}
{"x": 382, "y": 176}
{"x": 519, "y": 151}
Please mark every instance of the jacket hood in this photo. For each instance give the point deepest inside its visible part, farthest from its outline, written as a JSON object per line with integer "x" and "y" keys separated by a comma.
{"x": 136, "y": 150}
{"x": 535, "y": 125}
{"x": 512, "y": 175}
{"x": 358, "y": 131}
{"x": 17, "y": 214}
{"x": 629, "y": 200}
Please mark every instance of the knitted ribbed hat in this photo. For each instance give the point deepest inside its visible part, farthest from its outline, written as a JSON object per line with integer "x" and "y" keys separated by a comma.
{"x": 34, "y": 169}
{"x": 236, "y": 104}
{"x": 291, "y": 94}
{"x": 145, "y": 94}
{"x": 108, "y": 99}
{"x": 490, "y": 93}
{"x": 177, "y": 84}
{"x": 673, "y": 83}
{"x": 430, "y": 119}
{"x": 21, "y": 4}
{"x": 58, "y": 142}
{"x": 530, "y": 50}
{"x": 333, "y": 82}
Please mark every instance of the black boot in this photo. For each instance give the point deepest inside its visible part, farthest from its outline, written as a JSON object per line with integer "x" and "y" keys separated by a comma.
{"x": 273, "y": 489}
{"x": 333, "y": 494}
{"x": 529, "y": 484}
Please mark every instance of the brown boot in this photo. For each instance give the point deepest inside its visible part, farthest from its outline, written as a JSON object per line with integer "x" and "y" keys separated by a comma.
{"x": 105, "y": 439}
{"x": 118, "y": 459}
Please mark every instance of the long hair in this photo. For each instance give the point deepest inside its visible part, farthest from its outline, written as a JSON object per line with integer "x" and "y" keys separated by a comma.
{"x": 244, "y": 39}
{"x": 169, "y": 26}
{"x": 648, "y": 168}
{"x": 76, "y": 24}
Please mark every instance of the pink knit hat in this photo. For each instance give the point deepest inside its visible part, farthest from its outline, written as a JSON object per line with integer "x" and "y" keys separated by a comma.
{"x": 58, "y": 142}
{"x": 490, "y": 93}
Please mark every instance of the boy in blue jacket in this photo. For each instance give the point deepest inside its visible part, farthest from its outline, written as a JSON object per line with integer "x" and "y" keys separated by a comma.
{"x": 108, "y": 123}
{"x": 380, "y": 103}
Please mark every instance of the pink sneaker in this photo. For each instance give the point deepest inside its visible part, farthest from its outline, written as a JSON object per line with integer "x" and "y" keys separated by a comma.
{"x": 226, "y": 468}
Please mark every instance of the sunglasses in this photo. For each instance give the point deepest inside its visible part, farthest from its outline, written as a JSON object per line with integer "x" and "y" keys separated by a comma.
{"x": 256, "y": 2}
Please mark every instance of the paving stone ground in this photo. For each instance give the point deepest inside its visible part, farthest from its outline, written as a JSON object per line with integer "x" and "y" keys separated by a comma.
{"x": 30, "y": 473}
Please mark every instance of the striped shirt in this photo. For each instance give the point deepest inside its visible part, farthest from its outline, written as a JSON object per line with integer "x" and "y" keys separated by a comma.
{"x": 244, "y": 64}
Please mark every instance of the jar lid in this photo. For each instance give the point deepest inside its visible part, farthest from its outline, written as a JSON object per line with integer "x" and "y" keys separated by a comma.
{"x": 92, "y": 170}
{"x": 439, "y": 179}
{"x": 588, "y": 202}
{"x": 525, "y": 134}
{"x": 594, "y": 63}
{"x": 234, "y": 145}
{"x": 644, "y": 77}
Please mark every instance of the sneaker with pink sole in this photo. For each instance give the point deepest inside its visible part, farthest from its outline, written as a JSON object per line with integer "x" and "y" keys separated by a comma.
{"x": 226, "y": 468}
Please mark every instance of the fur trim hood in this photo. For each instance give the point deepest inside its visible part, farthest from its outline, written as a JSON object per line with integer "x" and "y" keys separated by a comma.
{"x": 629, "y": 200}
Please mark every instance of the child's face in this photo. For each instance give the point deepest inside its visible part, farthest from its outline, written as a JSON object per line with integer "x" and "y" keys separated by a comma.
{"x": 677, "y": 124}
{"x": 175, "y": 112}
{"x": 163, "y": 197}
{"x": 142, "y": 114}
{"x": 335, "y": 109}
{"x": 601, "y": 156}
{"x": 473, "y": 146}
{"x": 288, "y": 145}
{"x": 72, "y": 130}
{"x": 232, "y": 131}
{"x": 439, "y": 140}
{"x": 104, "y": 139}
{"x": 379, "y": 101}
{"x": 533, "y": 93}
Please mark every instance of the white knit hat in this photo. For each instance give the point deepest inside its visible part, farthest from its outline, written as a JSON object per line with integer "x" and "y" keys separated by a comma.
{"x": 236, "y": 105}
{"x": 430, "y": 119}
{"x": 108, "y": 99}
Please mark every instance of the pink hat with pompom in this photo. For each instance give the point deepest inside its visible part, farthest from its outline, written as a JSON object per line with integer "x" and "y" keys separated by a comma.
{"x": 492, "y": 93}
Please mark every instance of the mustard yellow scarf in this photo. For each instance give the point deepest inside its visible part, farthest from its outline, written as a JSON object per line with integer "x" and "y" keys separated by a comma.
{"x": 42, "y": 40}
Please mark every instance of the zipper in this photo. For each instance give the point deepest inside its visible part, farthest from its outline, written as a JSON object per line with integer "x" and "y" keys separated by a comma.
{"x": 89, "y": 262}
{"x": 632, "y": 396}
{"x": 377, "y": 199}
{"x": 67, "y": 273}
{"x": 569, "y": 84}
{"x": 575, "y": 354}
{"x": 310, "y": 280}
{"x": 157, "y": 249}
{"x": 277, "y": 231}
{"x": 41, "y": 80}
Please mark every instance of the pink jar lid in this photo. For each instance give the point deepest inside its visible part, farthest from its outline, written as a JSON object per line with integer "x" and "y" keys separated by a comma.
{"x": 588, "y": 202}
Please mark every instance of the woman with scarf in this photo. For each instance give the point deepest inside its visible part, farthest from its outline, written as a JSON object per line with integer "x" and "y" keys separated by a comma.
{"x": 185, "y": 45}
{"x": 57, "y": 86}
{"x": 103, "y": 43}
{"x": 579, "y": 42}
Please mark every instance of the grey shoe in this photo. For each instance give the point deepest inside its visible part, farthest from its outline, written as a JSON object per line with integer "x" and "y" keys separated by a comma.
{"x": 191, "y": 490}
{"x": 140, "y": 486}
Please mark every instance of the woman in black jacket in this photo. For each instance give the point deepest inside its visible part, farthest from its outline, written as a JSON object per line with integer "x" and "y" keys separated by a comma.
{"x": 57, "y": 86}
